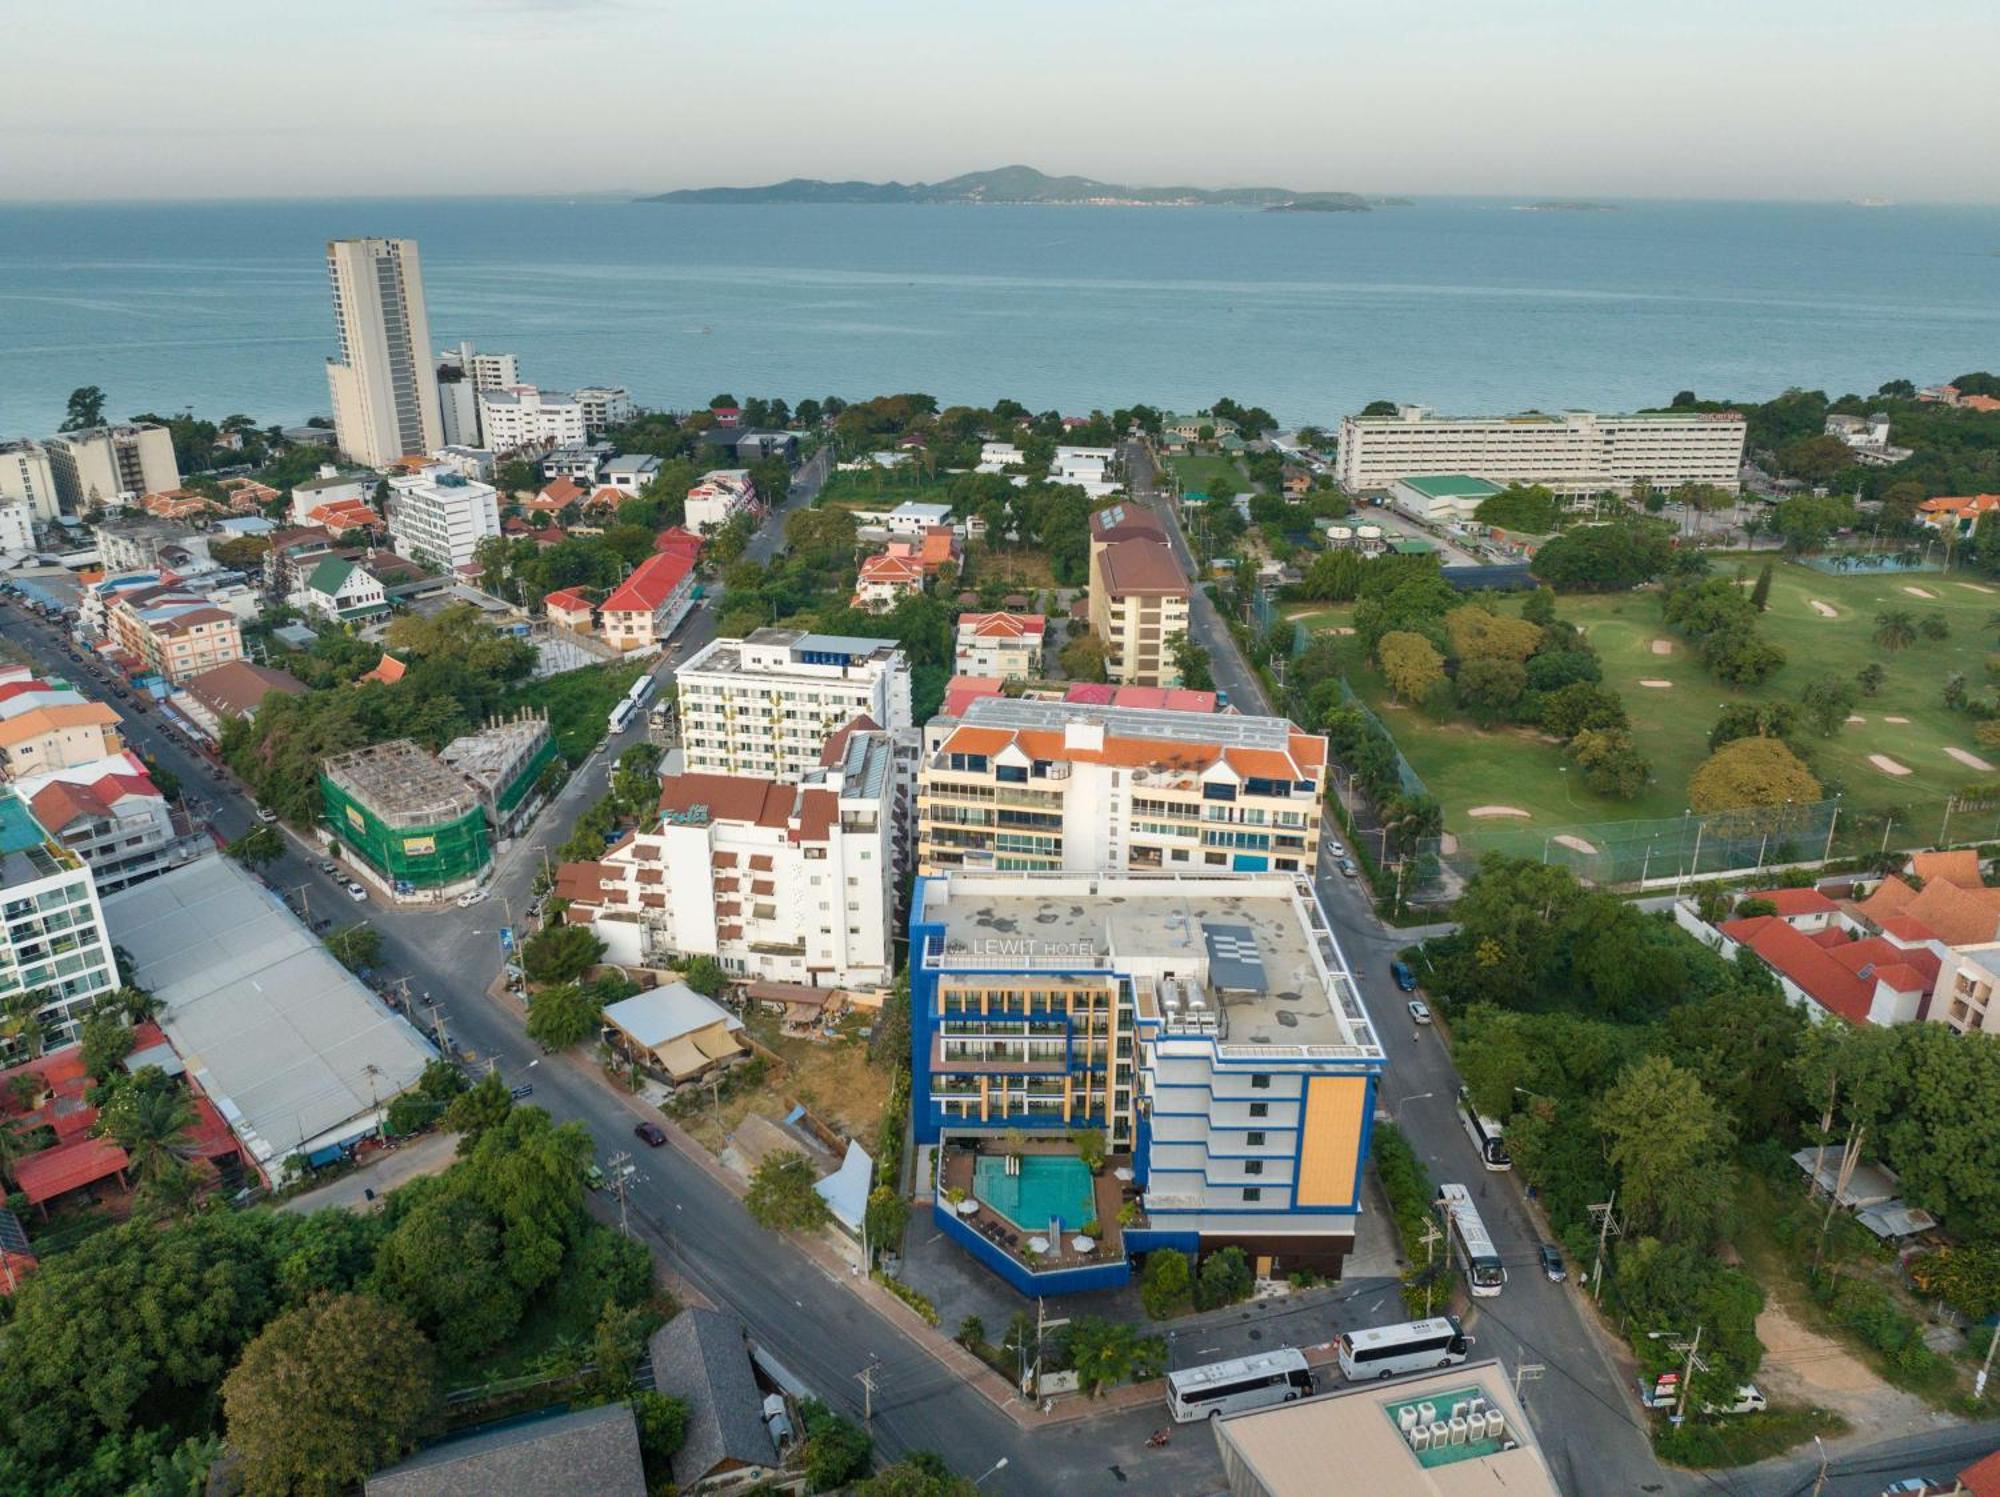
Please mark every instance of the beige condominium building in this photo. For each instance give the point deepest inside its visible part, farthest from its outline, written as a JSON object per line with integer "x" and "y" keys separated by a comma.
{"x": 1138, "y": 596}
{"x": 27, "y": 478}
{"x": 1027, "y": 786}
{"x": 383, "y": 384}
{"x": 112, "y": 464}
{"x": 1572, "y": 452}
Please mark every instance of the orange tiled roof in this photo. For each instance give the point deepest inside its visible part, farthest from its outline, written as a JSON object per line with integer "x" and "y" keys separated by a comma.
{"x": 388, "y": 670}
{"x": 1304, "y": 759}
{"x": 652, "y": 582}
{"x": 1960, "y": 868}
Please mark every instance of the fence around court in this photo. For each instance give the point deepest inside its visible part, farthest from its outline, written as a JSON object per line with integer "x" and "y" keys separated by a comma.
{"x": 1412, "y": 782}
{"x": 1652, "y": 852}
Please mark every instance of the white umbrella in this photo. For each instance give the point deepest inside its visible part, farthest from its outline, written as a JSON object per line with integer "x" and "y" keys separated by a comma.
{"x": 968, "y": 1207}
{"x": 1082, "y": 1244}
{"x": 1121, "y": 1173}
{"x": 1038, "y": 1244}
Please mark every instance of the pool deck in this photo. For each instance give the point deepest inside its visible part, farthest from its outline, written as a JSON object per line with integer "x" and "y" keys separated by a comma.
{"x": 958, "y": 1166}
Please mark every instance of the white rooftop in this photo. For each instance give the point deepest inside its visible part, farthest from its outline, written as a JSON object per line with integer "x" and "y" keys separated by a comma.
{"x": 294, "y": 1051}
{"x": 660, "y": 1015}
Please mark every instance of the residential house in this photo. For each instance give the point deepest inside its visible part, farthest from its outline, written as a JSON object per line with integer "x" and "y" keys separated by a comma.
{"x": 674, "y": 1030}
{"x": 568, "y": 608}
{"x": 292, "y": 556}
{"x": 719, "y": 497}
{"x": 1956, "y": 516}
{"x": 338, "y": 589}
{"x": 235, "y": 689}
{"x": 888, "y": 577}
{"x": 173, "y": 633}
{"x": 699, "y": 1357}
{"x": 629, "y": 473}
{"x": 110, "y": 814}
{"x": 331, "y": 486}
{"x": 590, "y": 1452}
{"x": 44, "y": 727}
{"x": 646, "y": 608}
{"x": 1827, "y": 961}
{"x": 580, "y": 462}
{"x": 1007, "y": 645}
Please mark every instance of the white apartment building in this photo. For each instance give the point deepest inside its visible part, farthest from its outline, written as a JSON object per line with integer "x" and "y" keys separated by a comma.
{"x": 17, "y": 526}
{"x": 783, "y": 882}
{"x": 524, "y": 416}
{"x": 330, "y": 486}
{"x": 111, "y": 465}
{"x": 1574, "y": 452}
{"x": 1022, "y": 785}
{"x": 483, "y": 371}
{"x": 384, "y": 389}
{"x": 765, "y": 705}
{"x": 462, "y": 372}
{"x": 604, "y": 406}
{"x": 111, "y": 814}
{"x": 1006, "y": 645}
{"x": 439, "y": 515}
{"x": 52, "y": 933}
{"x": 1210, "y": 1025}
{"x": 719, "y": 497}
{"x": 26, "y": 477}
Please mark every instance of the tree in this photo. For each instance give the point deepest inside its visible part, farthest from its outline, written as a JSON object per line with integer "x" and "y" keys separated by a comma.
{"x": 1478, "y": 633}
{"x": 662, "y": 1431}
{"x": 563, "y": 1015}
{"x": 327, "y": 1394}
{"x": 1895, "y": 629}
{"x": 560, "y": 953}
{"x": 259, "y": 847}
{"x": 1669, "y": 1142}
{"x": 781, "y": 1195}
{"x": 1490, "y": 688}
{"x": 1870, "y": 677}
{"x": 1224, "y": 1279}
{"x": 1754, "y": 720}
{"x": 152, "y": 1118}
{"x": 1380, "y": 408}
{"x": 1191, "y": 662}
{"x": 1103, "y": 1353}
{"x": 356, "y": 947}
{"x": 107, "y": 1040}
{"x": 1083, "y": 659}
{"x": 887, "y": 1217}
{"x": 1166, "y": 1288}
{"x": 1580, "y": 706}
{"x": 1752, "y": 772}
{"x": 84, "y": 410}
{"x": 1964, "y": 1275}
{"x": 1806, "y": 522}
{"x": 705, "y": 975}
{"x": 1611, "y": 764}
{"x": 478, "y": 1108}
{"x": 918, "y": 1474}
{"x": 836, "y": 1452}
{"x": 1760, "y": 594}
{"x": 1410, "y": 664}
{"x": 1827, "y": 702}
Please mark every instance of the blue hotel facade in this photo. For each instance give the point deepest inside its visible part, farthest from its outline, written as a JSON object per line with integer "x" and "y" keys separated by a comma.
{"x": 1206, "y": 1022}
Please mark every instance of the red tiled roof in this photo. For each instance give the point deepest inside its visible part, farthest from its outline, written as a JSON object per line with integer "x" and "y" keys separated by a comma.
{"x": 606, "y": 497}
{"x": 1960, "y": 868}
{"x": 61, "y": 802}
{"x": 818, "y": 810}
{"x": 652, "y": 582}
{"x": 836, "y": 745}
{"x": 1794, "y": 902}
{"x": 388, "y": 670}
{"x": 1002, "y": 625}
{"x": 567, "y": 600}
{"x": 53, "y": 1172}
{"x": 1123, "y": 522}
{"x": 728, "y": 797}
{"x": 678, "y": 538}
{"x": 581, "y": 883}
{"x": 1982, "y": 1477}
{"x": 1906, "y": 928}
{"x": 961, "y": 692}
{"x": 1831, "y": 977}
{"x": 559, "y": 494}
{"x": 1978, "y": 403}
{"x": 1960, "y": 917}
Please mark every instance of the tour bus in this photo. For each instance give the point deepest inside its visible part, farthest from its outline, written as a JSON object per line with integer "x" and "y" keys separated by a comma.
{"x": 621, "y": 715}
{"x": 1245, "y": 1383}
{"x": 1485, "y": 1274}
{"x": 1484, "y": 1133}
{"x": 640, "y": 690}
{"x": 1390, "y": 1350}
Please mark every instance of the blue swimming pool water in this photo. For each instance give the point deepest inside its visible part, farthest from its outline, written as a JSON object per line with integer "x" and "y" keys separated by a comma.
{"x": 1049, "y": 1185}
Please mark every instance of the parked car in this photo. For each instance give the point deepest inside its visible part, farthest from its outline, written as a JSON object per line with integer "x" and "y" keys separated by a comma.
{"x": 1914, "y": 1486}
{"x": 356, "y": 893}
{"x": 472, "y": 897}
{"x": 1748, "y": 1400}
{"x": 326, "y": 866}
{"x": 1405, "y": 978}
{"x": 1552, "y": 1262}
{"x": 266, "y": 815}
{"x": 1336, "y": 848}
{"x": 1347, "y": 868}
{"x": 652, "y": 1133}
{"x": 1420, "y": 1011}
{"x": 593, "y": 1176}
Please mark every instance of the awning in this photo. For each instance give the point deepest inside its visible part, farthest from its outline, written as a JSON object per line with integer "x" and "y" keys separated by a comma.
{"x": 716, "y": 1043}
{"x": 681, "y": 1059}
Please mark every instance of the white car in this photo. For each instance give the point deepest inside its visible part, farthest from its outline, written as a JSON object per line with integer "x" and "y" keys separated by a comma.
{"x": 1334, "y": 848}
{"x": 476, "y": 896}
{"x": 266, "y": 815}
{"x": 356, "y": 893}
{"x": 1748, "y": 1400}
{"x": 1420, "y": 1011}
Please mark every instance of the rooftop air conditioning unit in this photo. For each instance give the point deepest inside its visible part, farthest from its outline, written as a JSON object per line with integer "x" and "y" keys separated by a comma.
{"x": 1440, "y": 1433}
{"x": 1458, "y": 1431}
{"x": 1429, "y": 1412}
{"x": 1420, "y": 1437}
{"x": 1496, "y": 1425}
{"x": 1406, "y": 1418}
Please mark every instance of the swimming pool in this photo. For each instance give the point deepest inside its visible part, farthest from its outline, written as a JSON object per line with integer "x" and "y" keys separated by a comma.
{"x": 1049, "y": 1185}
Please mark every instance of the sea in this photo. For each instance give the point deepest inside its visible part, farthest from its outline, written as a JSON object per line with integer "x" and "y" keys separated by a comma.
{"x": 1470, "y": 306}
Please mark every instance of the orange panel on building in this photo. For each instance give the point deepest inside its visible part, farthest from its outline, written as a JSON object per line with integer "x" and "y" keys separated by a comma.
{"x": 1336, "y": 1107}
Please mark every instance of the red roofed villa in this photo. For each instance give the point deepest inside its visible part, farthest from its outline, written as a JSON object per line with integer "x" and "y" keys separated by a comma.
{"x": 1827, "y": 960}
{"x": 650, "y": 604}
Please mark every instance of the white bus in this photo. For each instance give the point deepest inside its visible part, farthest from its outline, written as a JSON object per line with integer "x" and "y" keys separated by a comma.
{"x": 1484, "y": 1133}
{"x": 1389, "y": 1350}
{"x": 1480, "y": 1261}
{"x": 621, "y": 715}
{"x": 641, "y": 689}
{"x": 1245, "y": 1383}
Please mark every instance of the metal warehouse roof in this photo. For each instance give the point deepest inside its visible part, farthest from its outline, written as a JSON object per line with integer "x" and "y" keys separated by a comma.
{"x": 294, "y": 1051}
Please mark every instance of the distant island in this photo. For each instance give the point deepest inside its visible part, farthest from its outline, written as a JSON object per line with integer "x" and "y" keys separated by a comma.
{"x": 1023, "y": 184}
{"x": 1566, "y": 206}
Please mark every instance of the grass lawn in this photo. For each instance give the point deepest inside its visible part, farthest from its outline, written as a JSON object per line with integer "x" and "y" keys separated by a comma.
{"x": 1466, "y": 767}
{"x": 885, "y": 489}
{"x": 831, "y": 1077}
{"x": 1215, "y": 476}
{"x": 578, "y": 703}
{"x": 1023, "y": 570}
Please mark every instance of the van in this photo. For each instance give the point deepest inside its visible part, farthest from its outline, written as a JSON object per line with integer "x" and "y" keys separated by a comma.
{"x": 1748, "y": 1400}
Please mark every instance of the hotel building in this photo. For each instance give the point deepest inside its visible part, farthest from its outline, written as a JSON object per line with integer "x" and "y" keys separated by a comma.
{"x": 383, "y": 385}
{"x": 1573, "y": 452}
{"x": 1022, "y": 785}
{"x": 1208, "y": 1024}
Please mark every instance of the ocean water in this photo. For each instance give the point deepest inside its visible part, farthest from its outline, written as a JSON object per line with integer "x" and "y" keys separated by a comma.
{"x": 1470, "y": 306}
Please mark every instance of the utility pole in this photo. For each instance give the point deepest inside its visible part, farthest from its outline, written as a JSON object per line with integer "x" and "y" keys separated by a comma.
{"x": 621, "y": 1175}
{"x": 1431, "y": 1238}
{"x": 1607, "y": 1224}
{"x": 1850, "y": 1158}
{"x": 1819, "y": 1482}
{"x": 1043, "y": 1324}
{"x": 1986, "y": 1367}
{"x": 1527, "y": 1372}
{"x": 866, "y": 1377}
{"x": 1694, "y": 1362}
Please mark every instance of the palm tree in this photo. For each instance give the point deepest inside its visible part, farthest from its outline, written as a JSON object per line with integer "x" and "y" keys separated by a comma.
{"x": 21, "y": 1021}
{"x": 136, "y": 1004}
{"x": 151, "y": 1119}
{"x": 1895, "y": 630}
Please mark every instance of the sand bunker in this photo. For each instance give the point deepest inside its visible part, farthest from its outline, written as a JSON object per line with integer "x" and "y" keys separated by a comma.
{"x": 1856, "y": 717}
{"x": 1920, "y": 592}
{"x": 1977, "y": 587}
{"x": 1903, "y": 720}
{"x": 1341, "y": 629}
{"x": 1825, "y": 610}
{"x": 1498, "y": 811}
{"x": 1887, "y": 765}
{"x": 1663, "y": 647}
{"x": 1658, "y": 685}
{"x": 1970, "y": 760}
{"x": 1576, "y": 844}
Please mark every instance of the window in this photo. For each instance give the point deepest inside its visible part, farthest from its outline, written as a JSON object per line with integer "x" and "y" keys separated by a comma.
{"x": 1253, "y": 1193}
{"x": 1253, "y": 1167}
{"x": 1260, "y": 1109}
{"x": 1260, "y": 1082}
{"x": 1254, "y": 1139}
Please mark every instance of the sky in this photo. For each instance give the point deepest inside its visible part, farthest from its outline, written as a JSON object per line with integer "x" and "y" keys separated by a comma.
{"x": 1813, "y": 99}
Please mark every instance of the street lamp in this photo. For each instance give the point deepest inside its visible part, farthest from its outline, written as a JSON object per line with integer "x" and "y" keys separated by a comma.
{"x": 999, "y": 1465}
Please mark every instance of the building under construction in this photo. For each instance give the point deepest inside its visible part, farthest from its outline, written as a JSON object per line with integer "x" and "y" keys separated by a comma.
{"x": 503, "y": 764}
{"x": 413, "y": 820}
